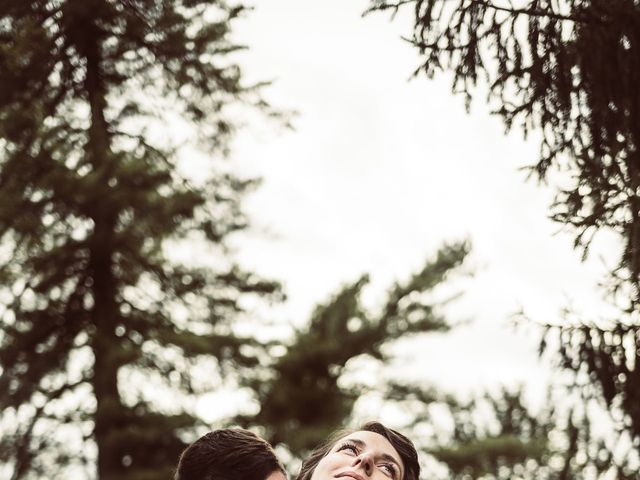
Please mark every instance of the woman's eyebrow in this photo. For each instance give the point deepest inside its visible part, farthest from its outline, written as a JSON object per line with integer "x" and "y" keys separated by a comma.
{"x": 384, "y": 456}
{"x": 357, "y": 442}
{"x": 389, "y": 458}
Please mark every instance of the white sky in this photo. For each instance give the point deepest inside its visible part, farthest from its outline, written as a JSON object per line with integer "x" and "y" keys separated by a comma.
{"x": 380, "y": 171}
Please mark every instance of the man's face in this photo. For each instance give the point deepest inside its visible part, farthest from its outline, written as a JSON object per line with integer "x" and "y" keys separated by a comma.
{"x": 277, "y": 475}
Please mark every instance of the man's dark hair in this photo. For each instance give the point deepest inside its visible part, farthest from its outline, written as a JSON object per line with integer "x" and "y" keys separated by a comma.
{"x": 402, "y": 444}
{"x": 228, "y": 454}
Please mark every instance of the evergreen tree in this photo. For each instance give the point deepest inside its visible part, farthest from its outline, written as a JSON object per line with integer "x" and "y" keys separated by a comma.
{"x": 301, "y": 398}
{"x": 497, "y": 436}
{"x": 91, "y": 196}
{"x": 571, "y": 69}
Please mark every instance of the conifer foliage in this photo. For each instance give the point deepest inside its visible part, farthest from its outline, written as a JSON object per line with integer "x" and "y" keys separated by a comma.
{"x": 498, "y": 436}
{"x": 301, "y": 398}
{"x": 90, "y": 196}
{"x": 571, "y": 70}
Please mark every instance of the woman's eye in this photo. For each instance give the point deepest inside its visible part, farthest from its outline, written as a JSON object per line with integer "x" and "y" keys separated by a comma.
{"x": 348, "y": 447}
{"x": 390, "y": 469}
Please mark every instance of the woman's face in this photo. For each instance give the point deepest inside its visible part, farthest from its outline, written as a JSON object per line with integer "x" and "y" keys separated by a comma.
{"x": 361, "y": 455}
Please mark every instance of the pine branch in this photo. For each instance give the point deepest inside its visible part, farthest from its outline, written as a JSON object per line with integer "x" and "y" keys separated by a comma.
{"x": 530, "y": 12}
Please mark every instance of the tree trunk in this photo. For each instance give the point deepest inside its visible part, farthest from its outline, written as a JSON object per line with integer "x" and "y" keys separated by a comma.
{"x": 104, "y": 288}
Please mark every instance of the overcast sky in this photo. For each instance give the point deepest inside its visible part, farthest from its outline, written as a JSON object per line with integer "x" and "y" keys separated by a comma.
{"x": 379, "y": 171}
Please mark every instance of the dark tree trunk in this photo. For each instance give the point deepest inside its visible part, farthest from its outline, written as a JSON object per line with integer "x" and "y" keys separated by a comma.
{"x": 104, "y": 288}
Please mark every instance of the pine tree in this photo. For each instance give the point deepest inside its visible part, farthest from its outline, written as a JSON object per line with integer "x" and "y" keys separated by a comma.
{"x": 92, "y": 196}
{"x": 571, "y": 70}
{"x": 301, "y": 399}
{"x": 498, "y": 436}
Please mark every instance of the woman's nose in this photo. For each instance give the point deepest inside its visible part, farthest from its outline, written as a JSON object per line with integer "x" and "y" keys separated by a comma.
{"x": 364, "y": 461}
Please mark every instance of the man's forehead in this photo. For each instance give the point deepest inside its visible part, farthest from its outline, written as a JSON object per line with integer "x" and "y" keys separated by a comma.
{"x": 277, "y": 475}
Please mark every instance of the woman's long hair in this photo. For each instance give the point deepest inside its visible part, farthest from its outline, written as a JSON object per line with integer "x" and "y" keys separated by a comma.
{"x": 402, "y": 444}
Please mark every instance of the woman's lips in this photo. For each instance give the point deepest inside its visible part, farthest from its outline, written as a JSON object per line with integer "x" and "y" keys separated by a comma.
{"x": 353, "y": 475}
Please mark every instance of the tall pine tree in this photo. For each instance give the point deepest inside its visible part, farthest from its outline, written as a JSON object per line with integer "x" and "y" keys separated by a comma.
{"x": 498, "y": 436}
{"x": 571, "y": 69}
{"x": 91, "y": 195}
{"x": 301, "y": 398}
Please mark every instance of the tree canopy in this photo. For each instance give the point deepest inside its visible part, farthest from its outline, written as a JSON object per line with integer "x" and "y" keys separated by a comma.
{"x": 301, "y": 398}
{"x": 500, "y": 435}
{"x": 94, "y": 202}
{"x": 570, "y": 70}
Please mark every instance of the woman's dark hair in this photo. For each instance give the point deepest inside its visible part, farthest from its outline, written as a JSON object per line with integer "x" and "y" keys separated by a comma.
{"x": 228, "y": 454}
{"x": 402, "y": 444}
